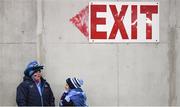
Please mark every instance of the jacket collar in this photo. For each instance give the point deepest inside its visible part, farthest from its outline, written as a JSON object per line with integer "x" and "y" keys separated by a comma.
{"x": 27, "y": 78}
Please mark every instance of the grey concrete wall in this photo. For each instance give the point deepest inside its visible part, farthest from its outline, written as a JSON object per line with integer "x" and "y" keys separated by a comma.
{"x": 177, "y": 40}
{"x": 114, "y": 74}
{"x": 17, "y": 44}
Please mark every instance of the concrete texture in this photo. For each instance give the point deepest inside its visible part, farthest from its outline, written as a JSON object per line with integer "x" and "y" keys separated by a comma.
{"x": 177, "y": 52}
{"x": 177, "y": 67}
{"x": 177, "y": 14}
{"x": 17, "y": 44}
{"x": 143, "y": 75}
{"x": 16, "y": 16}
{"x": 1, "y": 73}
{"x": 93, "y": 67}
{"x": 114, "y": 74}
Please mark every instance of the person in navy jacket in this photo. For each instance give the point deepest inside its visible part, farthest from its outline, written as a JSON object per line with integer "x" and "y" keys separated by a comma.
{"x": 74, "y": 95}
{"x": 34, "y": 90}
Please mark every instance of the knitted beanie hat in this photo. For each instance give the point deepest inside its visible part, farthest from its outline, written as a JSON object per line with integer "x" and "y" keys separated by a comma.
{"x": 74, "y": 82}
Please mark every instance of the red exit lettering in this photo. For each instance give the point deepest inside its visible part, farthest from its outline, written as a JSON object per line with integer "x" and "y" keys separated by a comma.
{"x": 118, "y": 18}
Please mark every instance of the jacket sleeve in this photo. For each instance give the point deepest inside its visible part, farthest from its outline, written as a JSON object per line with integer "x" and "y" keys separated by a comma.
{"x": 79, "y": 100}
{"x": 21, "y": 95}
{"x": 51, "y": 97}
{"x": 62, "y": 100}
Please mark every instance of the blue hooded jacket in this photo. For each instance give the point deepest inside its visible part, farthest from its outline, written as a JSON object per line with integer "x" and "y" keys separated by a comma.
{"x": 74, "y": 97}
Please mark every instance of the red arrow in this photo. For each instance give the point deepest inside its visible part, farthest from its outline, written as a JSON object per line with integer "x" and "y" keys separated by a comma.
{"x": 80, "y": 20}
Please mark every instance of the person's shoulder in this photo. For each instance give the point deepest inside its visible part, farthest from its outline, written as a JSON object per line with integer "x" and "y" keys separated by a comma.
{"x": 26, "y": 82}
{"x": 46, "y": 84}
{"x": 45, "y": 81}
{"x": 79, "y": 90}
{"x": 23, "y": 84}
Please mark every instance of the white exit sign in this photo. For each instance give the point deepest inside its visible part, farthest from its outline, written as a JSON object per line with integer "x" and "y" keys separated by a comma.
{"x": 123, "y": 22}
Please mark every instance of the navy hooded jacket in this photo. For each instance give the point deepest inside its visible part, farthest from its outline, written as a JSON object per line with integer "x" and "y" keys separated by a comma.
{"x": 28, "y": 95}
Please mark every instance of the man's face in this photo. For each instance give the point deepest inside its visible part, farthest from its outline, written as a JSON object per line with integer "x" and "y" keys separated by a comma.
{"x": 37, "y": 76}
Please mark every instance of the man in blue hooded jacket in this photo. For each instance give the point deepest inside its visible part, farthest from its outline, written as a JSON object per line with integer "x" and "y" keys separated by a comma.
{"x": 74, "y": 95}
{"x": 34, "y": 90}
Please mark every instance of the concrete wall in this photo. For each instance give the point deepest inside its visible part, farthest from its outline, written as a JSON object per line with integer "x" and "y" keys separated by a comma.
{"x": 114, "y": 74}
{"x": 17, "y": 44}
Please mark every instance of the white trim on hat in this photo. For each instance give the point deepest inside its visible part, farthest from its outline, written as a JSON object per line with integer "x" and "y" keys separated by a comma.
{"x": 78, "y": 81}
{"x": 73, "y": 82}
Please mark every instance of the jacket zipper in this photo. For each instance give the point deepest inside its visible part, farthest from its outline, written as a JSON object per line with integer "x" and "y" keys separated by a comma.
{"x": 41, "y": 101}
{"x": 42, "y": 95}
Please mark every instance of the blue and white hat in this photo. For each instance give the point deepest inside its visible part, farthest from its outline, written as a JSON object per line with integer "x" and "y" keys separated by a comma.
{"x": 74, "y": 82}
{"x": 32, "y": 67}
